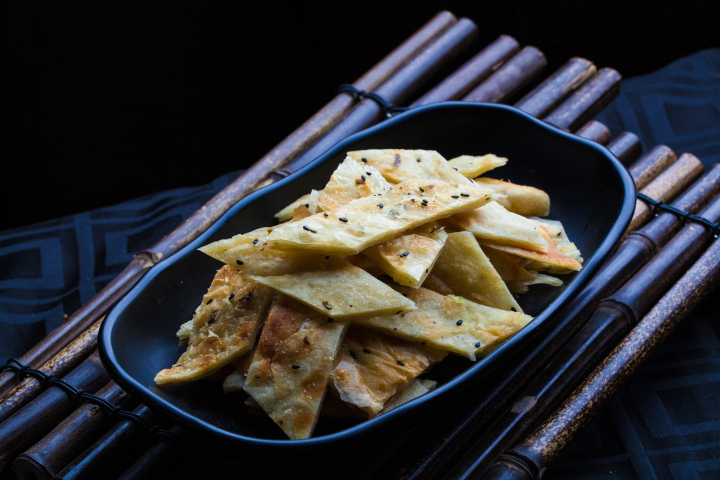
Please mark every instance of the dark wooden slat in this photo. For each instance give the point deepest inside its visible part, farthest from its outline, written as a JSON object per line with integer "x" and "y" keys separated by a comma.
{"x": 37, "y": 418}
{"x": 71, "y": 437}
{"x": 650, "y": 165}
{"x": 474, "y": 71}
{"x": 557, "y": 87}
{"x": 509, "y": 78}
{"x": 613, "y": 319}
{"x": 531, "y": 457}
{"x": 595, "y": 131}
{"x": 626, "y": 147}
{"x": 587, "y": 101}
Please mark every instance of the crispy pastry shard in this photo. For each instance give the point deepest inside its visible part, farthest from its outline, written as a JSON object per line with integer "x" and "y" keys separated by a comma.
{"x": 400, "y": 165}
{"x": 251, "y": 254}
{"x": 224, "y": 328}
{"x": 552, "y": 260}
{"x": 520, "y": 199}
{"x": 351, "y": 228}
{"x": 556, "y": 231}
{"x": 184, "y": 332}
{"x": 349, "y": 182}
{"x": 343, "y": 291}
{"x": 493, "y": 222}
{"x": 409, "y": 258}
{"x": 467, "y": 270}
{"x": 287, "y": 213}
{"x": 417, "y": 387}
{"x": 471, "y": 167}
{"x": 450, "y": 323}
{"x": 289, "y": 373}
{"x": 509, "y": 269}
{"x": 371, "y": 367}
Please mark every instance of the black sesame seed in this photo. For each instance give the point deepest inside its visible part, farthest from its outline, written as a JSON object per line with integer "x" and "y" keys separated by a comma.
{"x": 455, "y": 196}
{"x": 257, "y": 376}
{"x": 353, "y": 354}
{"x": 363, "y": 177}
{"x": 309, "y": 229}
{"x": 369, "y": 173}
{"x": 422, "y": 189}
{"x": 231, "y": 296}
{"x": 513, "y": 309}
{"x": 381, "y": 205}
{"x": 307, "y": 205}
{"x": 459, "y": 322}
{"x": 306, "y": 341}
{"x": 327, "y": 305}
{"x": 212, "y": 318}
{"x": 400, "y": 362}
{"x": 364, "y": 160}
{"x": 412, "y": 200}
{"x": 477, "y": 345}
{"x": 455, "y": 169}
{"x": 418, "y": 160}
{"x": 255, "y": 242}
{"x": 239, "y": 262}
{"x": 325, "y": 214}
{"x": 295, "y": 367}
{"x": 327, "y": 257}
{"x": 366, "y": 350}
{"x": 404, "y": 254}
{"x": 344, "y": 220}
{"x": 464, "y": 194}
{"x": 209, "y": 302}
{"x": 405, "y": 295}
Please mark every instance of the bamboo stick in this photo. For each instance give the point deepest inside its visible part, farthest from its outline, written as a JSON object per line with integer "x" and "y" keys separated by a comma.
{"x": 626, "y": 147}
{"x": 650, "y": 165}
{"x": 71, "y": 437}
{"x": 28, "y": 425}
{"x": 112, "y": 453}
{"x": 509, "y": 78}
{"x": 147, "y": 465}
{"x": 587, "y": 101}
{"x": 636, "y": 250}
{"x": 474, "y": 71}
{"x": 57, "y": 366}
{"x": 288, "y": 149}
{"x": 665, "y": 186}
{"x": 547, "y": 96}
{"x": 531, "y": 457}
{"x": 595, "y": 131}
{"x": 613, "y": 319}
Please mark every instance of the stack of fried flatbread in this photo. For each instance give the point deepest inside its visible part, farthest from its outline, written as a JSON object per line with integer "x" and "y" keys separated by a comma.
{"x": 403, "y": 258}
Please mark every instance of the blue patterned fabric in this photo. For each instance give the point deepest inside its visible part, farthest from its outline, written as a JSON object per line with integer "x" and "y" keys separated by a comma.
{"x": 664, "y": 424}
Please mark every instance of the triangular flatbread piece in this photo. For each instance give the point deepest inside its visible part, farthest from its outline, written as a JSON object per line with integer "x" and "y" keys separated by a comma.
{"x": 552, "y": 260}
{"x": 494, "y": 222}
{"x": 224, "y": 327}
{"x": 520, "y": 199}
{"x": 343, "y": 291}
{"x": 467, "y": 270}
{"x": 471, "y": 167}
{"x": 349, "y": 182}
{"x": 409, "y": 258}
{"x": 371, "y": 367}
{"x": 450, "y": 323}
{"x": 289, "y": 373}
{"x": 400, "y": 165}
{"x": 368, "y": 221}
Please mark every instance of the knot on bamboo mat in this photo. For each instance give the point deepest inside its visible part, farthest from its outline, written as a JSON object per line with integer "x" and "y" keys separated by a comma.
{"x": 78, "y": 394}
{"x": 685, "y": 216}
{"x": 387, "y": 108}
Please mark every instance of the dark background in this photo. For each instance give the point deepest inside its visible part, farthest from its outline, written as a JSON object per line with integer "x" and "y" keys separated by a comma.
{"x": 109, "y": 102}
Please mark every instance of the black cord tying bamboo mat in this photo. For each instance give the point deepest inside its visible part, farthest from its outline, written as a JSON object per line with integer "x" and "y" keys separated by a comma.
{"x": 664, "y": 424}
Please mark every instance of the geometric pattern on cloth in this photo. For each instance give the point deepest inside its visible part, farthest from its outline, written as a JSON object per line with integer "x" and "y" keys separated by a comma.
{"x": 664, "y": 423}
{"x": 52, "y": 268}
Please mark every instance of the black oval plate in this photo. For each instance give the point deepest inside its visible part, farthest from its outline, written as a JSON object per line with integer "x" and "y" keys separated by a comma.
{"x": 591, "y": 192}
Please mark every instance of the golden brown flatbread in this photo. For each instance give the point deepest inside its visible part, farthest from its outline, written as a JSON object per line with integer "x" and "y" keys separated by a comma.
{"x": 467, "y": 270}
{"x": 224, "y": 327}
{"x": 552, "y": 260}
{"x": 342, "y": 291}
{"x": 371, "y": 367}
{"x": 471, "y": 166}
{"x": 368, "y": 221}
{"x": 520, "y": 199}
{"x": 450, "y": 323}
{"x": 349, "y": 182}
{"x": 494, "y": 222}
{"x": 401, "y": 165}
{"x": 409, "y": 258}
{"x": 289, "y": 373}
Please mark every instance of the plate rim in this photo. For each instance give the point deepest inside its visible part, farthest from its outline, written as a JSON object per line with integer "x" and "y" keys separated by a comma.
{"x": 147, "y": 397}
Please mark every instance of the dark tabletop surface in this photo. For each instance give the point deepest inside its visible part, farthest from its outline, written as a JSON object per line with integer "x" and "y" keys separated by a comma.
{"x": 664, "y": 424}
